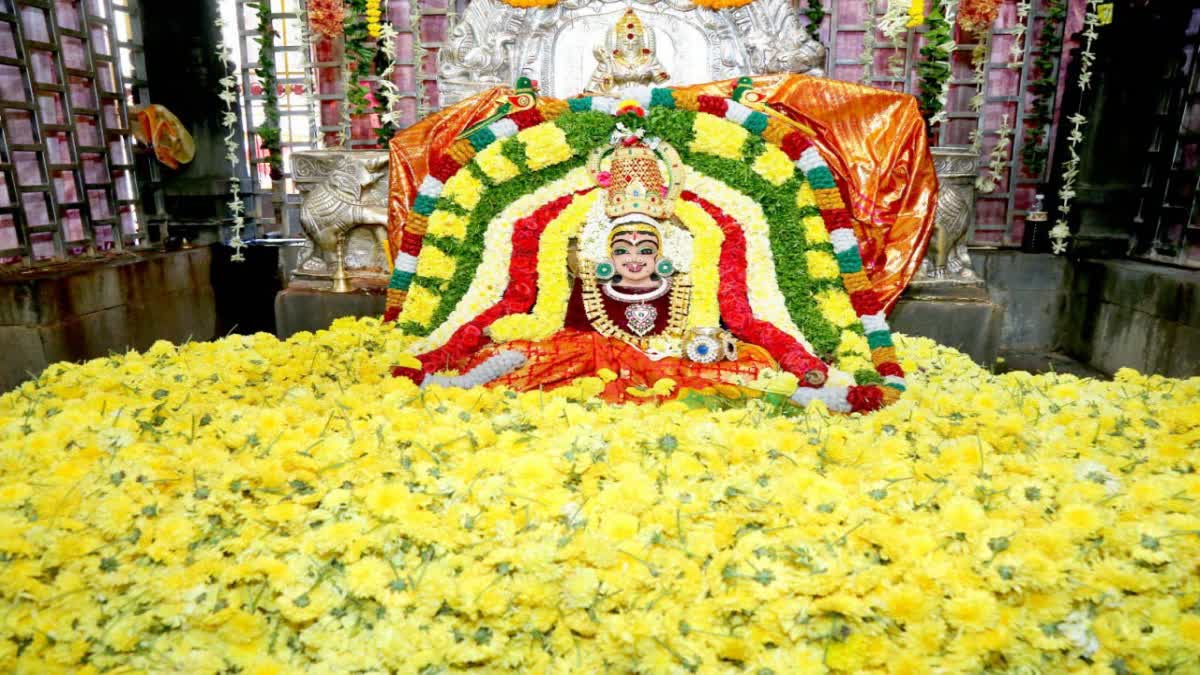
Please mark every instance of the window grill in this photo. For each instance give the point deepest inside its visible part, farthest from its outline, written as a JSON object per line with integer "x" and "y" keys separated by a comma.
{"x": 69, "y": 185}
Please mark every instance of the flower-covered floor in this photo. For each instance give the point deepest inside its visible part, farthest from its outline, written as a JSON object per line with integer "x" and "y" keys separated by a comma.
{"x": 283, "y": 506}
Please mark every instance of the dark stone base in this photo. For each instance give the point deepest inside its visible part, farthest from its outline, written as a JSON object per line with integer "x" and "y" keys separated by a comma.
{"x": 956, "y": 315}
{"x": 87, "y": 309}
{"x": 303, "y": 309}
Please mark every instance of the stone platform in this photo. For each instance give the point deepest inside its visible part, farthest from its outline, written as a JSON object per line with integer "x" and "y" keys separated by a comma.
{"x": 87, "y": 309}
{"x": 962, "y": 316}
{"x": 305, "y": 309}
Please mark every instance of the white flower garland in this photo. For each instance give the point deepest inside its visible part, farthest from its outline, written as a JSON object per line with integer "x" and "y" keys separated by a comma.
{"x": 387, "y": 88}
{"x": 867, "y": 56}
{"x": 229, "y": 120}
{"x": 1016, "y": 53}
{"x": 491, "y": 278}
{"x": 986, "y": 183}
{"x": 310, "y": 85}
{"x": 893, "y": 25}
{"x": 1061, "y": 230}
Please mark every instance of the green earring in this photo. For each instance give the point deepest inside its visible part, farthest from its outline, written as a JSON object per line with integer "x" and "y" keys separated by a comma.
{"x": 665, "y": 268}
{"x": 605, "y": 271}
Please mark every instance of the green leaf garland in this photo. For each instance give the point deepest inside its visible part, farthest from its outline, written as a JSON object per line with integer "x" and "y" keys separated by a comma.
{"x": 816, "y": 15}
{"x": 934, "y": 66}
{"x": 1035, "y": 150}
{"x": 268, "y": 132}
{"x": 360, "y": 49}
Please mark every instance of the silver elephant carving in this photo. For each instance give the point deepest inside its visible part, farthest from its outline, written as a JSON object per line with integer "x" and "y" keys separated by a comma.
{"x": 947, "y": 258}
{"x": 343, "y": 213}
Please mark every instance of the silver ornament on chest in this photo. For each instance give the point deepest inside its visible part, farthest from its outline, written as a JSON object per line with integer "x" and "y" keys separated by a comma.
{"x": 641, "y": 318}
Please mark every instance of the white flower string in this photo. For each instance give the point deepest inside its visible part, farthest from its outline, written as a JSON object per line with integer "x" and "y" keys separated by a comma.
{"x": 893, "y": 25}
{"x": 950, "y": 11}
{"x": 1061, "y": 230}
{"x": 1016, "y": 53}
{"x": 986, "y": 183}
{"x": 345, "y": 122}
{"x": 867, "y": 56}
{"x": 229, "y": 120}
{"x": 310, "y": 85}
{"x": 388, "y": 91}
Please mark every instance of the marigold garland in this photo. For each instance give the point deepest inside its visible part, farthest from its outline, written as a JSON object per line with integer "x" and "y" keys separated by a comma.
{"x": 715, "y": 136}
{"x": 327, "y": 17}
{"x": 977, "y": 16}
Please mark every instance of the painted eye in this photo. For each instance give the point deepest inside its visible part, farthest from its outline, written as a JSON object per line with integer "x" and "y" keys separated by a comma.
{"x": 620, "y": 251}
{"x": 647, "y": 251}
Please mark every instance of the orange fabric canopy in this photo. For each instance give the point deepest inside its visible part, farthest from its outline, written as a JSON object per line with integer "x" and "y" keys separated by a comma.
{"x": 873, "y": 140}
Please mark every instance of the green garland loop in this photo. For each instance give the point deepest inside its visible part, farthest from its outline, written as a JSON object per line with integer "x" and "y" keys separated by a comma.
{"x": 934, "y": 66}
{"x": 268, "y": 133}
{"x": 360, "y": 49}
{"x": 816, "y": 15}
{"x": 1035, "y": 151}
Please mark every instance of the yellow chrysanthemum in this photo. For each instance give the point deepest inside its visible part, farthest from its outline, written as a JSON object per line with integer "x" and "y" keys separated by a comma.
{"x": 545, "y": 145}
{"x": 814, "y": 230}
{"x": 420, "y": 305}
{"x": 494, "y": 164}
{"x": 719, "y": 137}
{"x": 836, "y": 308}
{"x": 464, "y": 188}
{"x": 774, "y": 166}
{"x": 821, "y": 265}
{"x": 446, "y": 224}
{"x": 433, "y": 262}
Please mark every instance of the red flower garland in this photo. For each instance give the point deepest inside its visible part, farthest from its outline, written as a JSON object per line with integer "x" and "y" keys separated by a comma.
{"x": 735, "y": 304}
{"x": 518, "y": 297}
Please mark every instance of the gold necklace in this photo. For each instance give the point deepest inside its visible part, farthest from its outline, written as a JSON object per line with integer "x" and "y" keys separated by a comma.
{"x": 593, "y": 306}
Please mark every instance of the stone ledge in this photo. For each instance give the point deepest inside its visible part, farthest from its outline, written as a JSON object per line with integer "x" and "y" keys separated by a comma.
{"x": 305, "y": 309}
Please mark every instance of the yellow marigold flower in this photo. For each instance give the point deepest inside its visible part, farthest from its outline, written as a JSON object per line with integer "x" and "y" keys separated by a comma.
{"x": 973, "y": 610}
{"x": 774, "y": 166}
{"x": 434, "y": 263}
{"x": 664, "y": 386}
{"x": 719, "y": 137}
{"x": 1189, "y": 628}
{"x": 464, "y": 188}
{"x": 446, "y": 224}
{"x": 836, "y": 308}
{"x": 821, "y": 265}
{"x": 1080, "y": 518}
{"x": 545, "y": 145}
{"x": 606, "y": 375}
{"x": 494, "y": 164}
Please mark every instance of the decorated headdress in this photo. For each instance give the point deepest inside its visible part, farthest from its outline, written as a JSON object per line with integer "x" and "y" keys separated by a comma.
{"x": 629, "y": 36}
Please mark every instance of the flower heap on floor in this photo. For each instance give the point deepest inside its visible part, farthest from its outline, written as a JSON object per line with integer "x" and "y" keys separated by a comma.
{"x": 261, "y": 506}
{"x": 774, "y": 257}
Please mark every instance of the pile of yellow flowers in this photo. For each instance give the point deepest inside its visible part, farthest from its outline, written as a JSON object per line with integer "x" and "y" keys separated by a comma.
{"x": 265, "y": 506}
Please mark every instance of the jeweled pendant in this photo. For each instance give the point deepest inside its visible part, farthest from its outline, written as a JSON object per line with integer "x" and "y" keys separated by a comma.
{"x": 641, "y": 318}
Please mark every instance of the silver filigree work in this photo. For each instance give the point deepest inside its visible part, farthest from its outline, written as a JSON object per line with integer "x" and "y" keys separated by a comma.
{"x": 494, "y": 43}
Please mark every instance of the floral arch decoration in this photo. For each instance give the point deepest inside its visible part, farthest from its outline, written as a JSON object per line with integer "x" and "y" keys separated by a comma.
{"x": 485, "y": 248}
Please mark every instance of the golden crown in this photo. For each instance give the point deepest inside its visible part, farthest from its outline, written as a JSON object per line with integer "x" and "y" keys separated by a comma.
{"x": 635, "y": 183}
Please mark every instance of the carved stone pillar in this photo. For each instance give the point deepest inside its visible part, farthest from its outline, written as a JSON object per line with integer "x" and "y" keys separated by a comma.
{"x": 343, "y": 207}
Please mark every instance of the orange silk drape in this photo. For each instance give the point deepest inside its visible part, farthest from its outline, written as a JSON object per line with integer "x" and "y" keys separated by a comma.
{"x": 873, "y": 139}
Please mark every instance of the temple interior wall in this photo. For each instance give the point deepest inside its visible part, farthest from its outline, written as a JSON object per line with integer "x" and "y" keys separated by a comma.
{"x": 1104, "y": 314}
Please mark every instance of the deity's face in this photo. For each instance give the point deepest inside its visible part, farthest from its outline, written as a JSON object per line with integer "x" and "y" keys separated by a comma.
{"x": 634, "y": 255}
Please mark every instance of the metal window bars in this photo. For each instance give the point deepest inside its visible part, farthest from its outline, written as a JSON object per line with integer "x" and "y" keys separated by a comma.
{"x": 68, "y": 175}
{"x": 1000, "y": 213}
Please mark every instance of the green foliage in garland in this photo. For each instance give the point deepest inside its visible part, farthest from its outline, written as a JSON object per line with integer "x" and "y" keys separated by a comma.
{"x": 360, "y": 50}
{"x": 934, "y": 66}
{"x": 268, "y": 133}
{"x": 816, "y": 15}
{"x": 1035, "y": 150}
